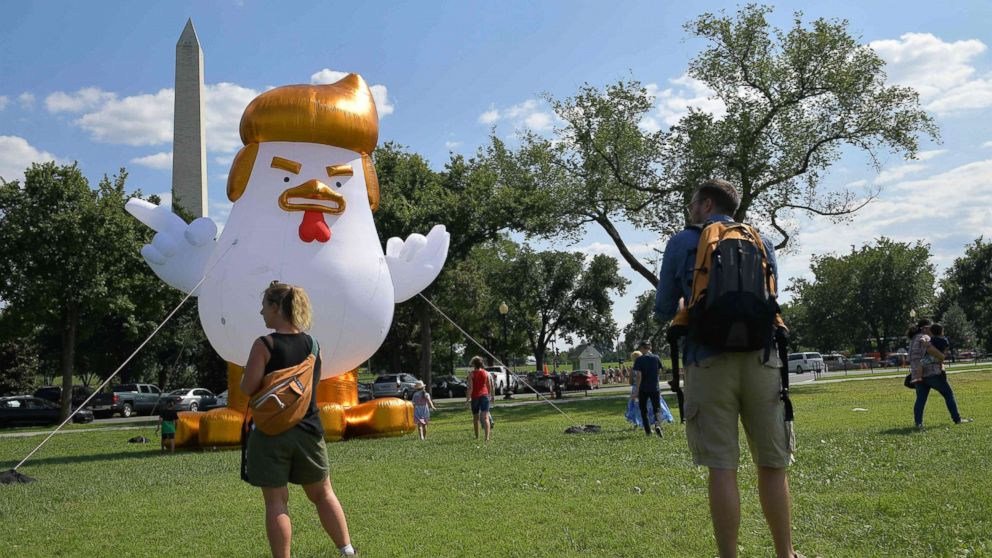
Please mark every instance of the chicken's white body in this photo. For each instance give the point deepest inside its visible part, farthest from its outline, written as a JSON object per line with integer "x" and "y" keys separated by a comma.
{"x": 352, "y": 284}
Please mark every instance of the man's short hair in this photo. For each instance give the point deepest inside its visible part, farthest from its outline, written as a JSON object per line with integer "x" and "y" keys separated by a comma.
{"x": 644, "y": 343}
{"x": 724, "y": 195}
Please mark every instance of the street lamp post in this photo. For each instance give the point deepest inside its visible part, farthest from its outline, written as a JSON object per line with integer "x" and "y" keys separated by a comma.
{"x": 503, "y": 311}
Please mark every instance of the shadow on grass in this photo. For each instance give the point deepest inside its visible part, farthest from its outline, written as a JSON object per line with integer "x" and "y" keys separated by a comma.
{"x": 901, "y": 431}
{"x": 65, "y": 460}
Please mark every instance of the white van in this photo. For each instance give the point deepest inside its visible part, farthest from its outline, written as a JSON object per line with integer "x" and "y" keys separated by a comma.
{"x": 805, "y": 362}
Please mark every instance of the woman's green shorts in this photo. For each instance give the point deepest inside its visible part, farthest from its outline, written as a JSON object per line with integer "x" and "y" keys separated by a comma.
{"x": 294, "y": 456}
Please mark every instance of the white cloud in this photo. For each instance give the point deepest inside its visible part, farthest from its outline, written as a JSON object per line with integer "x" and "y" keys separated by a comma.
{"x": 4, "y": 101}
{"x": 224, "y": 159}
{"x": 987, "y": 144}
{"x": 224, "y": 105}
{"x": 137, "y": 120}
{"x": 16, "y": 154}
{"x": 898, "y": 173}
{"x": 26, "y": 100}
{"x": 927, "y": 155}
{"x": 942, "y": 72}
{"x": 219, "y": 212}
{"x": 530, "y": 114}
{"x": 451, "y": 144}
{"x": 161, "y": 161}
{"x": 674, "y": 102}
{"x": 383, "y": 106}
{"x": 146, "y": 119}
{"x": 85, "y": 99}
{"x": 949, "y": 209}
{"x": 490, "y": 116}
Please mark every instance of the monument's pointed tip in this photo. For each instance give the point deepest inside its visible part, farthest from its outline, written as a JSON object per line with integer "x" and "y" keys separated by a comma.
{"x": 189, "y": 32}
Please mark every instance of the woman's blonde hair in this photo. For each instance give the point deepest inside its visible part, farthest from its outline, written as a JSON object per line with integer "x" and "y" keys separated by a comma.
{"x": 293, "y": 303}
{"x": 477, "y": 362}
{"x": 634, "y": 355}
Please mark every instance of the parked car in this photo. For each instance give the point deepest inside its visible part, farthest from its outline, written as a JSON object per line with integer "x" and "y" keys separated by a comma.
{"x": 394, "y": 385}
{"x": 449, "y": 386}
{"x": 583, "y": 379}
{"x": 898, "y": 359}
{"x": 54, "y": 394}
{"x": 27, "y": 410}
{"x": 188, "y": 399}
{"x": 805, "y": 362}
{"x": 519, "y": 385}
{"x": 365, "y": 392}
{"x": 221, "y": 399}
{"x": 540, "y": 382}
{"x": 836, "y": 361}
{"x": 127, "y": 399}
{"x": 501, "y": 378}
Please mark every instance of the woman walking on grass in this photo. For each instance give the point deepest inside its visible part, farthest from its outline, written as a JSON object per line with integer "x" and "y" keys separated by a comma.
{"x": 479, "y": 394}
{"x": 422, "y": 405}
{"x": 927, "y": 372}
{"x": 297, "y": 455}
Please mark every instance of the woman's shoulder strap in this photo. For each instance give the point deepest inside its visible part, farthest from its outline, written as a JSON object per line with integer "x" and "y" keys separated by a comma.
{"x": 268, "y": 342}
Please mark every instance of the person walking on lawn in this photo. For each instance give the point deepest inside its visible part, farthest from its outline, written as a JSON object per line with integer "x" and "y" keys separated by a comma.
{"x": 479, "y": 394}
{"x": 422, "y": 405}
{"x": 297, "y": 455}
{"x": 722, "y": 387}
{"x": 926, "y": 358}
{"x": 646, "y": 369}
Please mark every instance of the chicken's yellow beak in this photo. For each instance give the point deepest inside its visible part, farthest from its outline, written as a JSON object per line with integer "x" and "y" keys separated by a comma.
{"x": 312, "y": 195}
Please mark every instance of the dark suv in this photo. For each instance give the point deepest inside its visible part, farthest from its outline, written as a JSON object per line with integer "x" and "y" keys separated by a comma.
{"x": 54, "y": 394}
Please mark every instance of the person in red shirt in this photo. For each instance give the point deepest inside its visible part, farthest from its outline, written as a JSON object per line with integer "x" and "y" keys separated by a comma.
{"x": 479, "y": 394}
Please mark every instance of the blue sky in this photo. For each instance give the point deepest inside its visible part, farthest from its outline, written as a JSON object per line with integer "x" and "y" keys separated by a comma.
{"x": 93, "y": 82}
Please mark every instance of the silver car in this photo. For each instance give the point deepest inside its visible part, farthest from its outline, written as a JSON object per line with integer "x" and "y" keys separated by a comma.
{"x": 394, "y": 385}
{"x": 188, "y": 399}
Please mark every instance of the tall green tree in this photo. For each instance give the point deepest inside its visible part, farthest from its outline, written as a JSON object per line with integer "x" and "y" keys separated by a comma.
{"x": 867, "y": 294}
{"x": 75, "y": 281}
{"x": 793, "y": 98}
{"x": 466, "y": 198}
{"x": 968, "y": 283}
{"x": 958, "y": 329}
{"x": 643, "y": 324}
{"x": 555, "y": 293}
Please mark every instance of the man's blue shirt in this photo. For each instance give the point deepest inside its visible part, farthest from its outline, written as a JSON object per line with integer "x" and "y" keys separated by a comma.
{"x": 675, "y": 282}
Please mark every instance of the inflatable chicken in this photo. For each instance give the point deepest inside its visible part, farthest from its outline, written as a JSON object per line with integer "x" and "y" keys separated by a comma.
{"x": 304, "y": 189}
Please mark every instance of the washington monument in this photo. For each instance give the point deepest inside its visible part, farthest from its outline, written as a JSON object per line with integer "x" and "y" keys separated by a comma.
{"x": 189, "y": 148}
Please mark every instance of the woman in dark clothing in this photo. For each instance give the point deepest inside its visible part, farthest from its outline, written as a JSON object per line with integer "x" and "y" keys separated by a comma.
{"x": 297, "y": 455}
{"x": 926, "y": 370}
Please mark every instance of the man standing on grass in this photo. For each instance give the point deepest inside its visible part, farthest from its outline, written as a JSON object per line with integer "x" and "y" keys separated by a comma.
{"x": 722, "y": 386}
{"x": 646, "y": 369}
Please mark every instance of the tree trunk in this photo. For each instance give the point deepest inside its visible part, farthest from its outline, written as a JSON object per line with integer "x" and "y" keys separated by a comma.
{"x": 70, "y": 317}
{"x": 423, "y": 313}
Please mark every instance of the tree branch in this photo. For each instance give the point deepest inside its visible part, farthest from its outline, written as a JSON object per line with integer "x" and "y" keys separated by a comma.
{"x": 625, "y": 252}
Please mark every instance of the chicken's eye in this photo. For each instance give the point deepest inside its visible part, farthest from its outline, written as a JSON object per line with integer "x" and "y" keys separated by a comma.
{"x": 285, "y": 179}
{"x": 338, "y": 184}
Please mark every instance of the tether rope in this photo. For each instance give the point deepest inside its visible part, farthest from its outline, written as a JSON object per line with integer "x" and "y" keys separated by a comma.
{"x": 128, "y": 359}
{"x": 495, "y": 359}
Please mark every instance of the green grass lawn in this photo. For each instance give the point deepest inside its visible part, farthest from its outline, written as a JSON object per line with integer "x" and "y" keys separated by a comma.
{"x": 865, "y": 484}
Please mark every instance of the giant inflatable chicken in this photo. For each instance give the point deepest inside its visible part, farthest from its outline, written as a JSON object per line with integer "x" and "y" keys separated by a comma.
{"x": 304, "y": 189}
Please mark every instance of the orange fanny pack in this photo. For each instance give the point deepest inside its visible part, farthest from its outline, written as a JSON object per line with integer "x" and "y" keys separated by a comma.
{"x": 284, "y": 396}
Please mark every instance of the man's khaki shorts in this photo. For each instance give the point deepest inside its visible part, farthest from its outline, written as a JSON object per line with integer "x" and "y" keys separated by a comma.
{"x": 730, "y": 385}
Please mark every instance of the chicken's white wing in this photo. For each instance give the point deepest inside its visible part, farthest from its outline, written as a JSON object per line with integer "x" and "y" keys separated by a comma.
{"x": 417, "y": 261}
{"x": 179, "y": 252}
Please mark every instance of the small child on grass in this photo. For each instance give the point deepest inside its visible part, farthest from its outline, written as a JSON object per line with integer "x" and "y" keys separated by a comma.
{"x": 422, "y": 405}
{"x": 167, "y": 422}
